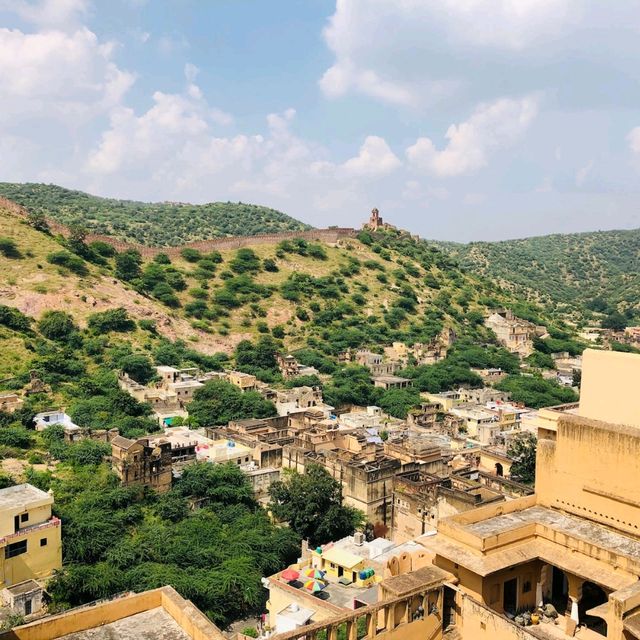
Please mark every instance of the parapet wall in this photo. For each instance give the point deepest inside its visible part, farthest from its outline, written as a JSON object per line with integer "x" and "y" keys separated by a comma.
{"x": 329, "y": 236}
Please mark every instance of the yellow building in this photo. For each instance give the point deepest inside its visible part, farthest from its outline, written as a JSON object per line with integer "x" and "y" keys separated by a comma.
{"x": 30, "y": 537}
{"x": 342, "y": 564}
{"x": 158, "y": 613}
{"x": 576, "y": 542}
{"x": 244, "y": 381}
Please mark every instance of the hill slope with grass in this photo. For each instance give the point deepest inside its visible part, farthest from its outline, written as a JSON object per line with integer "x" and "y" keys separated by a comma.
{"x": 570, "y": 269}
{"x": 153, "y": 224}
{"x": 363, "y": 291}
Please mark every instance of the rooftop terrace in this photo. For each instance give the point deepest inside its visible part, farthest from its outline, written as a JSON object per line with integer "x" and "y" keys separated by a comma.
{"x": 155, "y": 624}
{"x": 21, "y": 496}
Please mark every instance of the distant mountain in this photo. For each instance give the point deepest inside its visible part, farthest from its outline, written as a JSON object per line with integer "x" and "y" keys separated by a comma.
{"x": 575, "y": 268}
{"x": 153, "y": 224}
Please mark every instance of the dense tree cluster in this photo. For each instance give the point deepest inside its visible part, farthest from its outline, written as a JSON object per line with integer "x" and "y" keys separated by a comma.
{"x": 117, "y": 539}
{"x": 311, "y": 503}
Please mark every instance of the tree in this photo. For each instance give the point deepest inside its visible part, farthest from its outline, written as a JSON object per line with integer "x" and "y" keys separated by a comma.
{"x": 139, "y": 367}
{"x": 352, "y": 385}
{"x": 225, "y": 484}
{"x": 218, "y": 402}
{"x": 57, "y": 325}
{"x": 128, "y": 265}
{"x": 111, "y": 320}
{"x": 37, "y": 220}
{"x": 615, "y": 321}
{"x": 522, "y": 450}
{"x": 397, "y": 402}
{"x": 536, "y": 392}
{"x": 312, "y": 505}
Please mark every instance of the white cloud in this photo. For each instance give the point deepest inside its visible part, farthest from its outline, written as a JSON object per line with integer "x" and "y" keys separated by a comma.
{"x": 492, "y": 126}
{"x": 393, "y": 51}
{"x": 633, "y": 138}
{"x": 374, "y": 159}
{"x": 61, "y": 75}
{"x": 58, "y": 14}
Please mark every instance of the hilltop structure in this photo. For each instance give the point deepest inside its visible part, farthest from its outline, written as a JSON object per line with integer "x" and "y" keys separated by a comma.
{"x": 376, "y": 223}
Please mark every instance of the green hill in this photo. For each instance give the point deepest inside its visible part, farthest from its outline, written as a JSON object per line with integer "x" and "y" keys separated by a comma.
{"x": 572, "y": 269}
{"x": 152, "y": 224}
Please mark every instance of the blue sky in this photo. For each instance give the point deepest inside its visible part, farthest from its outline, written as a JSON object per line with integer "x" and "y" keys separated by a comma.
{"x": 459, "y": 119}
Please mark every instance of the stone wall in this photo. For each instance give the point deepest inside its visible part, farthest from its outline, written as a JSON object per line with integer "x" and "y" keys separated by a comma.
{"x": 329, "y": 236}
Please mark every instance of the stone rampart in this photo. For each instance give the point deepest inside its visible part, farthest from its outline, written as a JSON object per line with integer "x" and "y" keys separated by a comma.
{"x": 329, "y": 236}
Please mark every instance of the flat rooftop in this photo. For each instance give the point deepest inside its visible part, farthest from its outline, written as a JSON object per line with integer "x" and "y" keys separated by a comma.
{"x": 391, "y": 379}
{"x": 154, "y": 624}
{"x": 570, "y": 525}
{"x": 21, "y": 496}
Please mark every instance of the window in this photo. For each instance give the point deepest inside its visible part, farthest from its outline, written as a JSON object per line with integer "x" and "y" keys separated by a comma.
{"x": 24, "y": 517}
{"x": 43, "y": 542}
{"x": 15, "y": 549}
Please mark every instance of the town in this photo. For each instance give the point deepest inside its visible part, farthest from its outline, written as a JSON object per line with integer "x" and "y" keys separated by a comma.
{"x": 319, "y": 320}
{"x": 477, "y": 515}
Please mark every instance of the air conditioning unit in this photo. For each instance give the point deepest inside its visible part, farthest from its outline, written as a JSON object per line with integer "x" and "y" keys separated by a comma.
{"x": 358, "y": 538}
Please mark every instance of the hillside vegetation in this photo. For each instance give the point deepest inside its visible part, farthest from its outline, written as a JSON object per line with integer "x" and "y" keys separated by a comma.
{"x": 572, "y": 269}
{"x": 152, "y": 224}
{"x": 73, "y": 313}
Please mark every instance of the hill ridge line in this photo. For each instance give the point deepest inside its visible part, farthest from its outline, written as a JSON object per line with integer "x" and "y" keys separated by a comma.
{"x": 329, "y": 235}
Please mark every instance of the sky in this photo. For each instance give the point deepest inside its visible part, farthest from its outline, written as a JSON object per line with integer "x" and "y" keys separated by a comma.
{"x": 458, "y": 119}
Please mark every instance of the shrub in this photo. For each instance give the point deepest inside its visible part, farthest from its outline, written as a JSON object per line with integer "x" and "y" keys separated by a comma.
{"x": 246, "y": 260}
{"x": 111, "y": 320}
{"x": 69, "y": 261}
{"x": 128, "y": 265}
{"x": 317, "y": 251}
{"x": 163, "y": 292}
{"x": 9, "y": 248}
{"x": 190, "y": 255}
{"x": 198, "y": 293}
{"x": 14, "y": 319}
{"x": 102, "y": 249}
{"x": 56, "y": 325}
{"x": 15, "y": 437}
{"x": 162, "y": 258}
{"x": 269, "y": 264}
{"x": 148, "y": 325}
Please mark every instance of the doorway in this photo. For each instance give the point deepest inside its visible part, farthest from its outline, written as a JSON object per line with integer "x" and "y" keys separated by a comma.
{"x": 559, "y": 590}
{"x": 592, "y": 596}
{"x": 449, "y": 608}
{"x": 499, "y": 470}
{"x": 510, "y": 596}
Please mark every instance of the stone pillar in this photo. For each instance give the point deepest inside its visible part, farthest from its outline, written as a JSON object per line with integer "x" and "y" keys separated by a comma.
{"x": 574, "y": 610}
{"x": 575, "y": 594}
{"x": 372, "y": 624}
